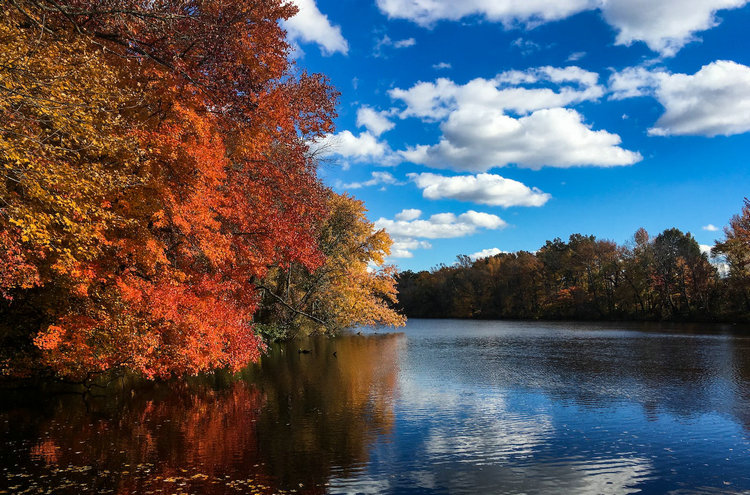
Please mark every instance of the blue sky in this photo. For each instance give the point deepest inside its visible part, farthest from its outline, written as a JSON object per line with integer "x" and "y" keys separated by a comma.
{"x": 487, "y": 125}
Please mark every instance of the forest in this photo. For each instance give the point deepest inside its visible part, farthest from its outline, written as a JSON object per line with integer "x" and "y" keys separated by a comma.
{"x": 660, "y": 278}
{"x": 160, "y": 209}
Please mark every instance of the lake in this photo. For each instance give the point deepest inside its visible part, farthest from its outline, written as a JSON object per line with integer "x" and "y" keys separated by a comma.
{"x": 444, "y": 406}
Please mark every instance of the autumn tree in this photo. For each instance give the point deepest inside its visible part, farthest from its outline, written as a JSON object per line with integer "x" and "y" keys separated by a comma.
{"x": 154, "y": 165}
{"x": 352, "y": 287}
{"x": 667, "y": 277}
{"x": 682, "y": 275}
{"x": 637, "y": 260}
{"x": 736, "y": 249}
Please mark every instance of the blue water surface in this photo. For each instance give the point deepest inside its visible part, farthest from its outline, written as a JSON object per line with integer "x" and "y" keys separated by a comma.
{"x": 440, "y": 407}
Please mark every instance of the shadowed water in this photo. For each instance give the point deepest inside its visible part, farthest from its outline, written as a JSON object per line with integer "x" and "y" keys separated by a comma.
{"x": 444, "y": 407}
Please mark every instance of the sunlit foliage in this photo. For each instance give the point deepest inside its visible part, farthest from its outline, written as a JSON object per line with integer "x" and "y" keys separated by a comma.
{"x": 351, "y": 288}
{"x": 154, "y": 165}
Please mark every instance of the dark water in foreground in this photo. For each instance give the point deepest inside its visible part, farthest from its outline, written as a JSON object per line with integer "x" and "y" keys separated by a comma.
{"x": 445, "y": 407}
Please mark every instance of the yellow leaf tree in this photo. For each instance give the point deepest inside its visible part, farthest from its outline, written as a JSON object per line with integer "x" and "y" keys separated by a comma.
{"x": 353, "y": 287}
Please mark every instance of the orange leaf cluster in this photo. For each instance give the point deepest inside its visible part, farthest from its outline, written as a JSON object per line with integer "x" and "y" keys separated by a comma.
{"x": 153, "y": 165}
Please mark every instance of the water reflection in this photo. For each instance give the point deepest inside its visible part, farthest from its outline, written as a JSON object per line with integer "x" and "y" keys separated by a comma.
{"x": 323, "y": 411}
{"x": 285, "y": 424}
{"x": 447, "y": 407}
{"x": 682, "y": 374}
{"x": 537, "y": 407}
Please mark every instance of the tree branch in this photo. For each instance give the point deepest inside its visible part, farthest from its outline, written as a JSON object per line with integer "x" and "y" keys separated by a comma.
{"x": 288, "y": 306}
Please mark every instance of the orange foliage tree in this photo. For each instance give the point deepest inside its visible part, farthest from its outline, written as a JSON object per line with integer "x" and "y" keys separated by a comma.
{"x": 154, "y": 164}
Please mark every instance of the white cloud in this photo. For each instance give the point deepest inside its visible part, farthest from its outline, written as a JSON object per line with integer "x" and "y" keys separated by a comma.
{"x": 375, "y": 122}
{"x": 405, "y": 43}
{"x": 487, "y": 189}
{"x": 713, "y": 101}
{"x": 402, "y": 248}
{"x": 409, "y": 214}
{"x": 486, "y": 253}
{"x": 442, "y": 65}
{"x": 387, "y": 42}
{"x": 571, "y": 73}
{"x": 632, "y": 82}
{"x": 664, "y": 25}
{"x": 426, "y": 100}
{"x": 527, "y": 47}
{"x": 710, "y": 227}
{"x": 477, "y": 139}
{"x": 427, "y": 12}
{"x": 441, "y": 225}
{"x": 479, "y": 134}
{"x": 407, "y": 228}
{"x": 362, "y": 148}
{"x": 378, "y": 178}
{"x": 435, "y": 101}
{"x": 575, "y": 56}
{"x": 310, "y": 25}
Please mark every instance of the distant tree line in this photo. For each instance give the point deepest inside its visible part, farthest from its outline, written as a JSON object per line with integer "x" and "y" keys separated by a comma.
{"x": 666, "y": 277}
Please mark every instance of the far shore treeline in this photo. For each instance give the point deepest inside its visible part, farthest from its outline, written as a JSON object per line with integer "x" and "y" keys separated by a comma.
{"x": 160, "y": 209}
{"x": 665, "y": 277}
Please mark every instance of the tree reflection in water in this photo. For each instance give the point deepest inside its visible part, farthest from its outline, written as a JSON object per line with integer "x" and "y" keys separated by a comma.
{"x": 286, "y": 423}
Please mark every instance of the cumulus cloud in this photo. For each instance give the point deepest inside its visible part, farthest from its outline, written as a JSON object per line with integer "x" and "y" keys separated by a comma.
{"x": 713, "y": 101}
{"x": 378, "y": 179}
{"x": 487, "y": 189}
{"x": 476, "y": 139}
{"x": 632, "y": 82}
{"x": 514, "y": 118}
{"x": 310, "y": 25}
{"x": 710, "y": 227}
{"x": 362, "y": 148}
{"x": 409, "y": 214}
{"x": 375, "y": 122}
{"x": 402, "y": 248}
{"x": 407, "y": 228}
{"x": 665, "y": 26}
{"x": 427, "y": 12}
{"x": 436, "y": 100}
{"x": 441, "y": 225}
{"x": 442, "y": 65}
{"x": 486, "y": 253}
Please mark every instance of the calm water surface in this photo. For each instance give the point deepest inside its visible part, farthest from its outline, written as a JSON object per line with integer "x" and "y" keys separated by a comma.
{"x": 444, "y": 407}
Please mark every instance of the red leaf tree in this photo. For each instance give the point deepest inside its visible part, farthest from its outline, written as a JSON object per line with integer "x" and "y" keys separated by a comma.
{"x": 198, "y": 179}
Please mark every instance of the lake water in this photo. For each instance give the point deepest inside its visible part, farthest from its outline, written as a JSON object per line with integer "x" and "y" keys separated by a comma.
{"x": 442, "y": 407}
